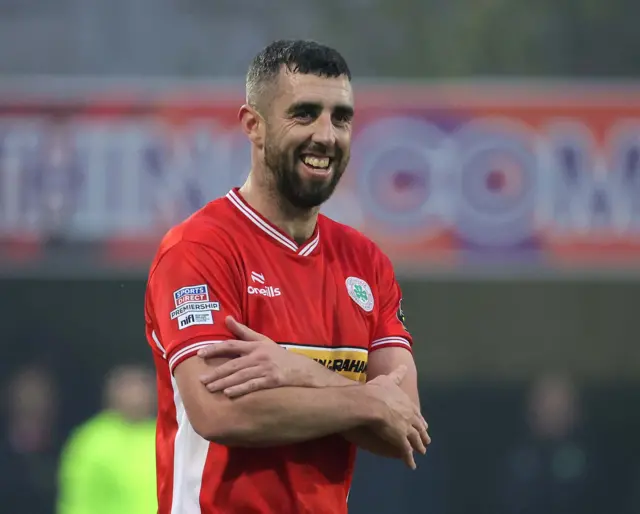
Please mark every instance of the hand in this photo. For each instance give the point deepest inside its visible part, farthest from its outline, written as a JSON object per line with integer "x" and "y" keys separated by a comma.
{"x": 402, "y": 423}
{"x": 256, "y": 363}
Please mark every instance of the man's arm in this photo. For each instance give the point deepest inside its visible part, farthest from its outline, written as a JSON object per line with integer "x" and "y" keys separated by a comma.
{"x": 391, "y": 346}
{"x": 275, "y": 416}
{"x": 379, "y": 362}
{"x": 389, "y": 358}
{"x": 191, "y": 277}
{"x": 260, "y": 364}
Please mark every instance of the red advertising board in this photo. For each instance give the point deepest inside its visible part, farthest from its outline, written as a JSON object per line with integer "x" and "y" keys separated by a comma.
{"x": 501, "y": 175}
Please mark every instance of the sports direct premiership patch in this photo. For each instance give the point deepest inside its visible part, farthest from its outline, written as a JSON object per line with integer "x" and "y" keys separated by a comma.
{"x": 360, "y": 292}
{"x": 193, "y": 306}
{"x": 191, "y": 294}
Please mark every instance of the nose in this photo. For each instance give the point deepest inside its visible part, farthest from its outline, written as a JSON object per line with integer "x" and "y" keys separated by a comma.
{"x": 324, "y": 131}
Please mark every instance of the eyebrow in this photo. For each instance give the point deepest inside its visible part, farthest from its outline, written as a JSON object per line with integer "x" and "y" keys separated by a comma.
{"x": 344, "y": 110}
{"x": 341, "y": 109}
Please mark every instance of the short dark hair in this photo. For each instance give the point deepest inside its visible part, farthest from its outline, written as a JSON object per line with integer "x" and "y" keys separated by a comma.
{"x": 298, "y": 56}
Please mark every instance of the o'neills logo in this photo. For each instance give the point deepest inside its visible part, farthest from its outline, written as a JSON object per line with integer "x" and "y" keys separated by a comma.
{"x": 268, "y": 291}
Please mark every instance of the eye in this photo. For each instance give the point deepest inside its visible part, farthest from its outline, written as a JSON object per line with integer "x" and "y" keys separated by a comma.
{"x": 342, "y": 118}
{"x": 305, "y": 114}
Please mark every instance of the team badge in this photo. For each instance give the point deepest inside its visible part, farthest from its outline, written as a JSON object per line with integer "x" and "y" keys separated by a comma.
{"x": 360, "y": 292}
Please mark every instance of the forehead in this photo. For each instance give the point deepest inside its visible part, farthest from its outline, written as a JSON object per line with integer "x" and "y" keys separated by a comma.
{"x": 328, "y": 91}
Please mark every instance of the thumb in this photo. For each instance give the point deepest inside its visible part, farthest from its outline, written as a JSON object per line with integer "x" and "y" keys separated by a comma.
{"x": 241, "y": 331}
{"x": 397, "y": 375}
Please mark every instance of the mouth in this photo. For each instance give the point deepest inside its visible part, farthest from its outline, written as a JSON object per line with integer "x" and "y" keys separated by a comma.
{"x": 316, "y": 165}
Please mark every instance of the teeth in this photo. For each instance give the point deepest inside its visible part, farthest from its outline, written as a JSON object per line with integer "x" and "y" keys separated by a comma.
{"x": 316, "y": 162}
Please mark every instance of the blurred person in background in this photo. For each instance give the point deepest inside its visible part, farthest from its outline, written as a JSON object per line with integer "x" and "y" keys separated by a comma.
{"x": 551, "y": 470}
{"x": 29, "y": 446}
{"x": 108, "y": 463}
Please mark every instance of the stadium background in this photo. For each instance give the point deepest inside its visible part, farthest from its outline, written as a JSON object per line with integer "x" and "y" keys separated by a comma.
{"x": 496, "y": 159}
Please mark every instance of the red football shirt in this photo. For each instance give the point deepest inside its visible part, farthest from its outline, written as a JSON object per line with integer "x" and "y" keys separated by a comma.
{"x": 334, "y": 299}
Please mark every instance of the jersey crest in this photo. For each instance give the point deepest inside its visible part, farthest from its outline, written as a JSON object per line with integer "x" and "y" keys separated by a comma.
{"x": 360, "y": 292}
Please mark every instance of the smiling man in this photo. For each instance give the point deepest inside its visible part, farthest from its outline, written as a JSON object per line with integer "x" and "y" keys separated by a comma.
{"x": 271, "y": 423}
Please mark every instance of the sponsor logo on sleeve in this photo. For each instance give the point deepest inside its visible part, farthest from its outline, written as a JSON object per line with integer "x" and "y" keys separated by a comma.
{"x": 191, "y": 294}
{"x": 195, "y": 318}
{"x": 193, "y": 306}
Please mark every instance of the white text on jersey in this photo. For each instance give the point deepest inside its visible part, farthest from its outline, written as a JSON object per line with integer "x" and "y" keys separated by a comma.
{"x": 268, "y": 291}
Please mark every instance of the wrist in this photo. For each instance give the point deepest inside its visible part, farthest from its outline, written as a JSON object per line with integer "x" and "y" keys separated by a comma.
{"x": 375, "y": 407}
{"x": 319, "y": 376}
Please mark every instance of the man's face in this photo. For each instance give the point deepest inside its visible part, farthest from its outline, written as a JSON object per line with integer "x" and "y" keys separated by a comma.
{"x": 308, "y": 136}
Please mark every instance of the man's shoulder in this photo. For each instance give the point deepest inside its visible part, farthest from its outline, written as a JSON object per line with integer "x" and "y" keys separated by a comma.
{"x": 341, "y": 235}
{"x": 356, "y": 248}
{"x": 212, "y": 225}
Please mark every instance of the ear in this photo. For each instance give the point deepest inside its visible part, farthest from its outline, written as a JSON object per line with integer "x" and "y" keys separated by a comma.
{"x": 252, "y": 124}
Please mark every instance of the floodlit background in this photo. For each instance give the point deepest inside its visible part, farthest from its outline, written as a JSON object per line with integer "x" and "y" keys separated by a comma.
{"x": 496, "y": 159}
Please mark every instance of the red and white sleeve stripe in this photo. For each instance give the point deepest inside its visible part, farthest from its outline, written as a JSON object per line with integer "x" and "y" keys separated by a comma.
{"x": 188, "y": 351}
{"x": 390, "y": 342}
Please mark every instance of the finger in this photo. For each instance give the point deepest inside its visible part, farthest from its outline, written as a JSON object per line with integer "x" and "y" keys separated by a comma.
{"x": 229, "y": 348}
{"x": 236, "y": 379}
{"x": 415, "y": 438}
{"x": 426, "y": 438}
{"x": 251, "y": 386}
{"x": 228, "y": 368}
{"x": 241, "y": 331}
{"x": 419, "y": 415}
{"x": 407, "y": 455}
{"x": 397, "y": 375}
{"x": 420, "y": 426}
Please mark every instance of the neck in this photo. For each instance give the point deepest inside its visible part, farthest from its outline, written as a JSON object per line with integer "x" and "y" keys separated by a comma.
{"x": 299, "y": 224}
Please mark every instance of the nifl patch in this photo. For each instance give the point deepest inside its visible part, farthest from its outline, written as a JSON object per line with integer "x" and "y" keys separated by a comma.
{"x": 195, "y": 318}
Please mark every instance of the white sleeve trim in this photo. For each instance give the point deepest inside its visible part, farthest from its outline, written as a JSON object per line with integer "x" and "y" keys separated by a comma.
{"x": 192, "y": 348}
{"x": 391, "y": 340}
{"x": 159, "y": 344}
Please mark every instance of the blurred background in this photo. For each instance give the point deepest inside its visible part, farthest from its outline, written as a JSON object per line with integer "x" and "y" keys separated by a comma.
{"x": 496, "y": 158}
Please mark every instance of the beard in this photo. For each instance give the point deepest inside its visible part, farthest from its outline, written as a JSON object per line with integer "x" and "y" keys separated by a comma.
{"x": 298, "y": 191}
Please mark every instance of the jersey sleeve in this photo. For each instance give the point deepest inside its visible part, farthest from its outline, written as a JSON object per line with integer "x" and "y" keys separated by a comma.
{"x": 390, "y": 330}
{"x": 190, "y": 292}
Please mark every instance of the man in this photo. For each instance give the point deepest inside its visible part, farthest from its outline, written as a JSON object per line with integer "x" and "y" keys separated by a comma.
{"x": 108, "y": 462}
{"x": 29, "y": 440}
{"x": 552, "y": 469}
{"x": 250, "y": 425}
